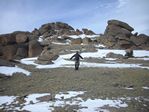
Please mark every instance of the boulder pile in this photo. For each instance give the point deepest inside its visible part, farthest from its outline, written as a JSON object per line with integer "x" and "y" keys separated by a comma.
{"x": 119, "y": 35}
{"x": 46, "y": 57}
{"x": 40, "y": 42}
{"x": 18, "y": 45}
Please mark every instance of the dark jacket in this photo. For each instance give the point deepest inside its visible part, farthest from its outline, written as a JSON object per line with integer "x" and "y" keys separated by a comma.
{"x": 76, "y": 57}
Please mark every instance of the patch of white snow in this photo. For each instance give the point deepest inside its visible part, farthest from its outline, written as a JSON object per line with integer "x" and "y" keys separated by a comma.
{"x": 145, "y": 87}
{"x": 9, "y": 71}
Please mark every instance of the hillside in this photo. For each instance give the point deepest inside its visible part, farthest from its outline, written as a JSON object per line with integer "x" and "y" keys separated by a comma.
{"x": 37, "y": 75}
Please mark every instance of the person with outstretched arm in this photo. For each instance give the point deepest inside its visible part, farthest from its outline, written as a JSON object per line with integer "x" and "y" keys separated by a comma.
{"x": 77, "y": 57}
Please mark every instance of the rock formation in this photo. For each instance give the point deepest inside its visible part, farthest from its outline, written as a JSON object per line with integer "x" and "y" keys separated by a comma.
{"x": 34, "y": 48}
{"x": 46, "y": 57}
{"x": 113, "y": 55}
{"x": 88, "y": 32}
{"x": 119, "y": 35}
{"x": 6, "y": 63}
{"x": 22, "y": 44}
{"x": 76, "y": 41}
{"x": 18, "y": 45}
{"x": 86, "y": 40}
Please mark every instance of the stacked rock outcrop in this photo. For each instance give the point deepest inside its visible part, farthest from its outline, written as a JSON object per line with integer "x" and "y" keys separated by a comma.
{"x": 18, "y": 45}
{"x": 119, "y": 35}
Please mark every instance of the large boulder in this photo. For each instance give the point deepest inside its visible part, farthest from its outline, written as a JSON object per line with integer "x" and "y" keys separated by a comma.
{"x": 34, "y": 48}
{"x": 113, "y": 55}
{"x": 140, "y": 39}
{"x": 66, "y": 32}
{"x": 135, "y": 40}
{"x": 53, "y": 28}
{"x": 78, "y": 32}
{"x": 124, "y": 42}
{"x": 21, "y": 37}
{"x": 60, "y": 25}
{"x": 117, "y": 35}
{"x": 49, "y": 33}
{"x": 6, "y": 63}
{"x": 32, "y": 37}
{"x": 6, "y": 39}
{"x": 10, "y": 45}
{"x": 86, "y": 40}
{"x": 113, "y": 30}
{"x": 46, "y": 57}
{"x": 22, "y": 51}
{"x": 36, "y": 32}
{"x": 121, "y": 24}
{"x": 44, "y": 28}
{"x": 9, "y": 51}
{"x": 76, "y": 41}
{"x": 109, "y": 42}
{"x": 144, "y": 46}
{"x": 88, "y": 32}
{"x": 112, "y": 39}
{"x": 122, "y": 37}
{"x": 144, "y": 38}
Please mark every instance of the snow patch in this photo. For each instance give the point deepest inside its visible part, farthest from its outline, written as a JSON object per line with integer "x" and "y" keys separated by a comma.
{"x": 83, "y": 36}
{"x": 38, "y": 107}
{"x": 57, "y": 63}
{"x": 96, "y": 104}
{"x": 129, "y": 88}
{"x": 145, "y": 87}
{"x": 9, "y": 71}
{"x": 58, "y": 43}
{"x": 141, "y": 53}
{"x": 29, "y": 61}
{"x": 40, "y": 39}
{"x": 100, "y": 46}
{"x": 33, "y": 97}
{"x": 6, "y": 100}
{"x": 110, "y": 59}
{"x": 146, "y": 59}
{"x": 60, "y": 37}
{"x": 101, "y": 53}
{"x": 63, "y": 60}
{"x": 60, "y": 62}
{"x": 69, "y": 98}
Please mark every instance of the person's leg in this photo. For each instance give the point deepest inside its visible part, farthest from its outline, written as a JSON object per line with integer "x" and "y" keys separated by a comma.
{"x": 76, "y": 65}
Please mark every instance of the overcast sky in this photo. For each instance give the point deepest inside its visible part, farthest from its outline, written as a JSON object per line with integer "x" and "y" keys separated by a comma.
{"x": 26, "y": 15}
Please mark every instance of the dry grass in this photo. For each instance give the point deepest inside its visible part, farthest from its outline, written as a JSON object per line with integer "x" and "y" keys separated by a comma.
{"x": 98, "y": 82}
